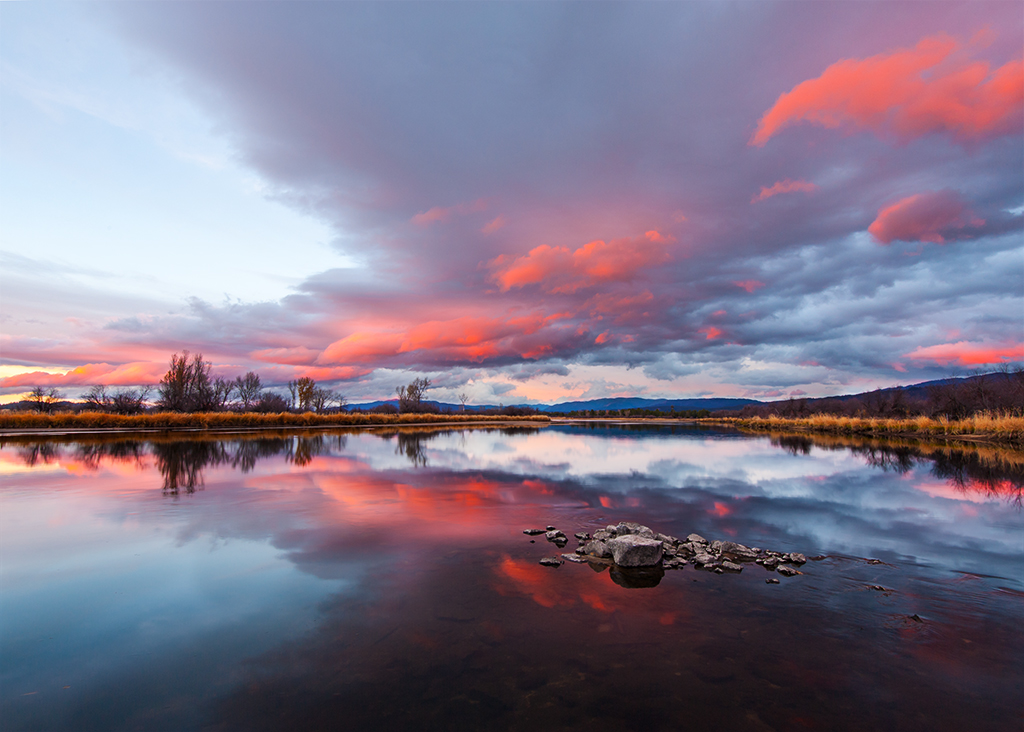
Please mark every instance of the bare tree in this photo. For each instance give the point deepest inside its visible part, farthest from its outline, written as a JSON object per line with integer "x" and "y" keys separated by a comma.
{"x": 410, "y": 397}
{"x": 45, "y": 400}
{"x": 249, "y": 389}
{"x": 463, "y": 397}
{"x": 187, "y": 387}
{"x": 308, "y": 397}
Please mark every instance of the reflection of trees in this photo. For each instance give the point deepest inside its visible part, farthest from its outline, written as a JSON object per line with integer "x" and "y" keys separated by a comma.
{"x": 307, "y": 447}
{"x": 181, "y": 463}
{"x": 92, "y": 454}
{"x": 413, "y": 446}
{"x": 39, "y": 453}
{"x": 985, "y": 469}
{"x": 794, "y": 444}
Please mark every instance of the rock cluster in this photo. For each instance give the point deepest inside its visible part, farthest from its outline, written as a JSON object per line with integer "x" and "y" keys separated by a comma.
{"x": 632, "y": 545}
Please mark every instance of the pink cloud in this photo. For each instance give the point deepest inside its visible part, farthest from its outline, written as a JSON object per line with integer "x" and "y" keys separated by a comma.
{"x": 560, "y": 270}
{"x": 493, "y": 225}
{"x": 437, "y": 213}
{"x": 298, "y": 356}
{"x": 127, "y": 374}
{"x": 932, "y": 217}
{"x": 908, "y": 93}
{"x": 966, "y": 353}
{"x": 711, "y": 332}
{"x": 749, "y": 285}
{"x": 784, "y": 186}
{"x": 797, "y": 392}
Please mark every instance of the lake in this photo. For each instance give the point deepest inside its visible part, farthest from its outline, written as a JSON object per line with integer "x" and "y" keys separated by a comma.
{"x": 382, "y": 580}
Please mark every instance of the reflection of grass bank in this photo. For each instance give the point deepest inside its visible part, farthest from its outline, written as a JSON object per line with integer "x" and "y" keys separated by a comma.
{"x": 235, "y": 420}
{"x": 984, "y": 426}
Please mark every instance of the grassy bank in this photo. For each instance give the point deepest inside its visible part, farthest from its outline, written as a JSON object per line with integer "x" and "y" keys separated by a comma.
{"x": 235, "y": 420}
{"x": 983, "y": 426}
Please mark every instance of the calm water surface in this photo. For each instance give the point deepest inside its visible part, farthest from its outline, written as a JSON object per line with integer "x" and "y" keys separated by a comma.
{"x": 382, "y": 580}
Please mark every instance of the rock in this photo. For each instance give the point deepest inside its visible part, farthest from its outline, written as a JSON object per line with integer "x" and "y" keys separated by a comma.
{"x": 788, "y": 571}
{"x": 738, "y": 551}
{"x": 576, "y": 558}
{"x": 719, "y": 570}
{"x": 772, "y": 581}
{"x": 552, "y": 528}
{"x": 696, "y": 539}
{"x": 631, "y": 528}
{"x": 797, "y": 558}
{"x": 604, "y": 534}
{"x": 551, "y": 561}
{"x": 818, "y": 558}
{"x": 716, "y": 547}
{"x": 703, "y": 558}
{"x": 770, "y": 563}
{"x": 554, "y": 535}
{"x": 634, "y": 550}
{"x": 666, "y": 539}
{"x": 533, "y": 532}
{"x": 732, "y": 567}
{"x": 582, "y": 535}
{"x": 597, "y": 548}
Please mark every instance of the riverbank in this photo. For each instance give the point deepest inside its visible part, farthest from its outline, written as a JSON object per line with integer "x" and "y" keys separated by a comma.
{"x": 982, "y": 427}
{"x": 202, "y": 421}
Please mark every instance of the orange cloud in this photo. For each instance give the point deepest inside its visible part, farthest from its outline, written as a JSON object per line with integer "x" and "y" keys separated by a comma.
{"x": 711, "y": 332}
{"x": 966, "y": 353}
{"x": 128, "y": 374}
{"x": 784, "y": 186}
{"x": 564, "y": 271}
{"x": 923, "y": 217}
{"x": 909, "y": 93}
{"x": 298, "y": 356}
{"x": 749, "y": 285}
{"x": 460, "y": 339}
{"x": 438, "y": 213}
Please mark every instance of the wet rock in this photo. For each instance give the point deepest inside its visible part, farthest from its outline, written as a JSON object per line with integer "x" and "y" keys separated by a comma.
{"x": 738, "y": 551}
{"x": 575, "y": 558}
{"x": 551, "y": 561}
{"x": 555, "y": 535}
{"x": 703, "y": 558}
{"x": 597, "y": 548}
{"x": 582, "y": 535}
{"x": 635, "y": 550}
{"x": 604, "y": 534}
{"x": 787, "y": 571}
{"x": 818, "y": 558}
{"x": 770, "y": 562}
{"x": 716, "y": 547}
{"x": 916, "y": 618}
{"x": 696, "y": 539}
{"x": 877, "y": 588}
{"x": 631, "y": 528}
{"x": 797, "y": 558}
{"x": 533, "y": 532}
{"x": 772, "y": 581}
{"x": 552, "y": 528}
{"x": 732, "y": 566}
{"x": 719, "y": 570}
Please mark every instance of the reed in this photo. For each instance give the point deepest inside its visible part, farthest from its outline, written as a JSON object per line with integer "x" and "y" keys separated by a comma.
{"x": 994, "y": 425}
{"x": 228, "y": 420}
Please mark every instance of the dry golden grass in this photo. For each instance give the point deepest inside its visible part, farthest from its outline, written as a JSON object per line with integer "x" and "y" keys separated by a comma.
{"x": 998, "y": 426}
{"x": 234, "y": 420}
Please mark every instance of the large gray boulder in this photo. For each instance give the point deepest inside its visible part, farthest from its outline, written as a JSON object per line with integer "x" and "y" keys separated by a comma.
{"x": 597, "y": 548}
{"x": 634, "y": 550}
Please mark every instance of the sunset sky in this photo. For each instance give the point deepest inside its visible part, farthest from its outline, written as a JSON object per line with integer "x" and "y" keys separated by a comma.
{"x": 526, "y": 202}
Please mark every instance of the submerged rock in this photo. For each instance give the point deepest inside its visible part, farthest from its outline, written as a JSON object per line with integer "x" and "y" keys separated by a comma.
{"x": 533, "y": 532}
{"x": 551, "y": 561}
{"x": 787, "y": 571}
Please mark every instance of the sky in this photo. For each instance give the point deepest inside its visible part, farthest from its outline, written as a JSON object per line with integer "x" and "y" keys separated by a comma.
{"x": 522, "y": 202}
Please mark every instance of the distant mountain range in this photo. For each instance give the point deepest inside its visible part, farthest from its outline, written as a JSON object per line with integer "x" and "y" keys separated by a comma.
{"x": 912, "y": 392}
